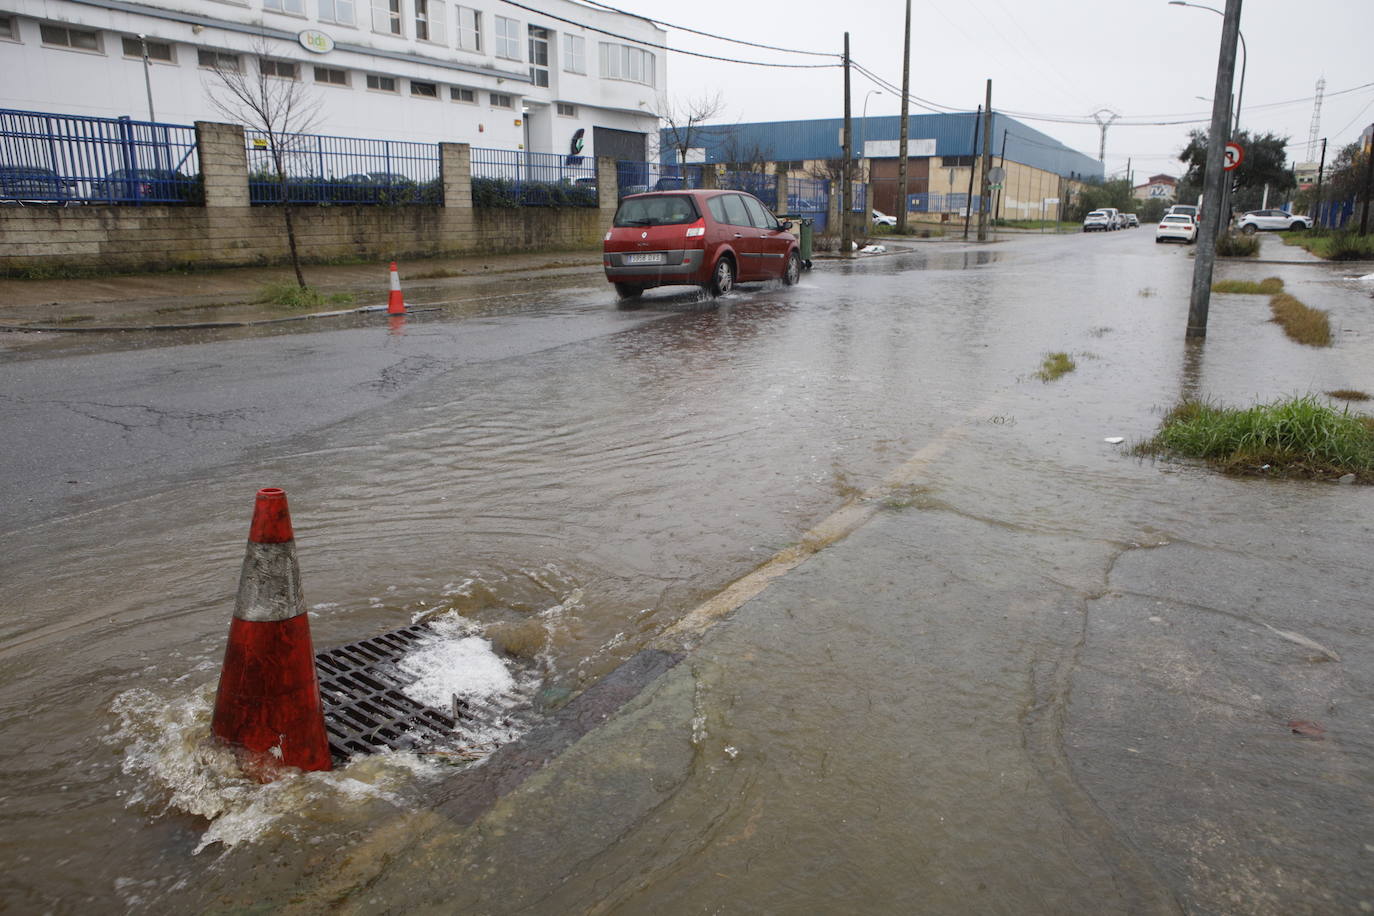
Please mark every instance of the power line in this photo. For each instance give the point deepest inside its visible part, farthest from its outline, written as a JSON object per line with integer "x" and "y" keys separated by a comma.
{"x": 652, "y": 44}
{"x": 683, "y": 28}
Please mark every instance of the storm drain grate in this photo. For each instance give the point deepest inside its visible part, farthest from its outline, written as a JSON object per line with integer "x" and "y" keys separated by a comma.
{"x": 365, "y": 708}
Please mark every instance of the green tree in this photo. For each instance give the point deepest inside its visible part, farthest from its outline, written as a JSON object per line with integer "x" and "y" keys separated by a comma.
{"x": 1098, "y": 194}
{"x": 1265, "y": 163}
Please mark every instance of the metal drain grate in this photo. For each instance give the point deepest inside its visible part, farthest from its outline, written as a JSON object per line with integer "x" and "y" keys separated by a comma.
{"x": 365, "y": 710}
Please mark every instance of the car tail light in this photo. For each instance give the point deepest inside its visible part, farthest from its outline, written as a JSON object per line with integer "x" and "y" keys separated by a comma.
{"x": 697, "y": 230}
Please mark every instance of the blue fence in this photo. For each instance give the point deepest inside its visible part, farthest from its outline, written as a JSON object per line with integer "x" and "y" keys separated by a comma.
{"x": 764, "y": 186}
{"x": 52, "y": 158}
{"x": 638, "y": 177}
{"x": 809, "y": 198}
{"x": 341, "y": 170}
{"x": 1334, "y": 214}
{"x": 515, "y": 178}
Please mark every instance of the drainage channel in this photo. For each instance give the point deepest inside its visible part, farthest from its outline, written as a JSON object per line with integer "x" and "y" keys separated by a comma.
{"x": 366, "y": 710}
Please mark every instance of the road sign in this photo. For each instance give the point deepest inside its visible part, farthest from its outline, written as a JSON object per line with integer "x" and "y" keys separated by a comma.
{"x": 1234, "y": 156}
{"x": 997, "y": 174}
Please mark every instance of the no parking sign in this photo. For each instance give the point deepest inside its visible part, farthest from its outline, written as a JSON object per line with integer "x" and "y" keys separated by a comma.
{"x": 1233, "y": 157}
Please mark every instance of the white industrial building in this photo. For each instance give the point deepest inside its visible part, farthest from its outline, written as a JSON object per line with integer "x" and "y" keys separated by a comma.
{"x": 486, "y": 72}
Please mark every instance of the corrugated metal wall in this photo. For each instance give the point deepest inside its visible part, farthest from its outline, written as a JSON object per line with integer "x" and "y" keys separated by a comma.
{"x": 952, "y": 133}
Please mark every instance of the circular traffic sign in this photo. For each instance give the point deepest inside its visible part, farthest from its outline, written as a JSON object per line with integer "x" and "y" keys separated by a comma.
{"x": 1234, "y": 156}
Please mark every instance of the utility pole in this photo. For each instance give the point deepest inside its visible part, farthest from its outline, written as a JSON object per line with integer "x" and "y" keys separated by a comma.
{"x": 1212, "y": 216}
{"x": 147, "y": 75}
{"x": 1321, "y": 167}
{"x": 1002, "y": 193}
{"x": 902, "y": 138}
{"x": 987, "y": 164}
{"x": 973, "y": 151}
{"x": 847, "y": 175}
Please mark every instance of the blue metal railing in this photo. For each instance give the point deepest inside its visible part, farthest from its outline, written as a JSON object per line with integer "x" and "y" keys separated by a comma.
{"x": 56, "y": 158}
{"x": 638, "y": 177}
{"x": 761, "y": 185}
{"x": 809, "y": 198}
{"x": 325, "y": 170}
{"x": 516, "y": 178}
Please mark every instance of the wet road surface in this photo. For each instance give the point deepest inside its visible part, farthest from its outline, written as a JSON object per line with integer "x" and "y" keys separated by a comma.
{"x": 1021, "y": 685}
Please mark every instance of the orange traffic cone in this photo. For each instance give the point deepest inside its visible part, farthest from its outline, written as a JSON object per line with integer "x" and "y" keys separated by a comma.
{"x": 268, "y": 704}
{"x": 395, "y": 305}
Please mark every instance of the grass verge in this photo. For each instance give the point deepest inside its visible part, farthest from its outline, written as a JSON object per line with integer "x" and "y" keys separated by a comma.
{"x": 1333, "y": 245}
{"x": 1230, "y": 245}
{"x": 1054, "y": 365}
{"x": 294, "y": 296}
{"x": 1297, "y": 437}
{"x": 1268, "y": 286}
{"x": 1302, "y": 323}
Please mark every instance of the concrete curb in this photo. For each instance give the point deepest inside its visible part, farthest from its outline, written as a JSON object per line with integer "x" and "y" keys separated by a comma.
{"x": 203, "y": 325}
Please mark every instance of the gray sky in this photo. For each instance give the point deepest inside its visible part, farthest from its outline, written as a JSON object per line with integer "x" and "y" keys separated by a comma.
{"x": 1141, "y": 58}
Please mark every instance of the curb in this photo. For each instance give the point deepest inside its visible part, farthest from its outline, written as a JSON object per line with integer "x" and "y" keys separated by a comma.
{"x": 203, "y": 325}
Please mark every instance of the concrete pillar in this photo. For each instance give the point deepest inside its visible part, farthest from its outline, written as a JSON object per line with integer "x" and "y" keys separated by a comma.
{"x": 710, "y": 177}
{"x": 223, "y": 164}
{"x": 781, "y": 169}
{"x": 455, "y": 174}
{"x": 607, "y": 187}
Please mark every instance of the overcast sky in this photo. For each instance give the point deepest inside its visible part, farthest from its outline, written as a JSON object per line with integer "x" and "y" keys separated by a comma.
{"x": 1145, "y": 59}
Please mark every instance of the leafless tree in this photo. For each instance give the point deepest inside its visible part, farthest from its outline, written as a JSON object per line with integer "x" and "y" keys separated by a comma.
{"x": 746, "y": 157}
{"x": 683, "y": 120}
{"x": 265, "y": 93}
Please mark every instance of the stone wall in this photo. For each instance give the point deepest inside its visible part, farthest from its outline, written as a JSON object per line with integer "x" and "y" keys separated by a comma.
{"x": 226, "y": 232}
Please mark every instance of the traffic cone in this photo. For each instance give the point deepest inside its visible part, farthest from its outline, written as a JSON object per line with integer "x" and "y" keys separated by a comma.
{"x": 268, "y": 703}
{"x": 395, "y": 305}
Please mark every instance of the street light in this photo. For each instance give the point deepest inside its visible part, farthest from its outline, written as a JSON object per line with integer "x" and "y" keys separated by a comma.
{"x": 863, "y": 131}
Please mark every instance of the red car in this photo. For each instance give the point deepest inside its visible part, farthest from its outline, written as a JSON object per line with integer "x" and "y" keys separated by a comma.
{"x": 700, "y": 238}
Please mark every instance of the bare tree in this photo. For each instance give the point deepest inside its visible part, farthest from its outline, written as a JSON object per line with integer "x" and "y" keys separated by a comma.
{"x": 265, "y": 93}
{"x": 683, "y": 119}
{"x": 741, "y": 156}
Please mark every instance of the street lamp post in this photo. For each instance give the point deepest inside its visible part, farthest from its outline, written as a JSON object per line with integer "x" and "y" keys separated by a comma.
{"x": 863, "y": 132}
{"x": 147, "y": 74}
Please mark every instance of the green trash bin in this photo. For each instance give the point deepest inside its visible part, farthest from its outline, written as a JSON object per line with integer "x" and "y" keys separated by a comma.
{"x": 803, "y": 226}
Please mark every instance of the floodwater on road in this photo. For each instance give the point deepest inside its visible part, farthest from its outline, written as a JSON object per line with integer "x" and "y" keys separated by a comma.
{"x": 571, "y": 504}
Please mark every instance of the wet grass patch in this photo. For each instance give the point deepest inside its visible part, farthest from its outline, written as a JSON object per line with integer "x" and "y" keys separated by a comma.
{"x": 1231, "y": 245}
{"x": 294, "y": 296}
{"x": 1348, "y": 394}
{"x": 1266, "y": 287}
{"x": 1055, "y": 365}
{"x": 1296, "y": 437}
{"x": 1302, "y": 323}
{"x": 1333, "y": 245}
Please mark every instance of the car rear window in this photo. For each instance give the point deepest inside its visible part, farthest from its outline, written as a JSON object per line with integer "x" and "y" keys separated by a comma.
{"x": 663, "y": 210}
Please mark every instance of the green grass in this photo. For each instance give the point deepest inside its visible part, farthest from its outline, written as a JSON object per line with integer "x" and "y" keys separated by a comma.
{"x": 1302, "y": 323}
{"x": 1055, "y": 365}
{"x": 1333, "y": 245}
{"x": 1268, "y": 286}
{"x": 1048, "y": 224}
{"x": 1297, "y": 437}
{"x": 294, "y": 296}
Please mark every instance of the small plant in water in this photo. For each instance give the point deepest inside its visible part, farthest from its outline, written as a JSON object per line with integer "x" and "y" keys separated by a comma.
{"x": 1054, "y": 365}
{"x": 1146, "y": 292}
{"x": 300, "y": 297}
{"x": 1268, "y": 286}
{"x": 1304, "y": 324}
{"x": 1298, "y": 437}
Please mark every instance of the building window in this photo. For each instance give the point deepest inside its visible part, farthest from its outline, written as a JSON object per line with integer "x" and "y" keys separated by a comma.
{"x": 463, "y": 94}
{"x": 285, "y": 6}
{"x": 469, "y": 29}
{"x": 386, "y": 16}
{"x": 622, "y": 62}
{"x": 217, "y": 60}
{"x": 566, "y": 110}
{"x": 381, "y": 83}
{"x": 539, "y": 56}
{"x": 281, "y": 69}
{"x": 339, "y": 11}
{"x": 424, "y": 90}
{"x": 157, "y": 50}
{"x": 507, "y": 38}
{"x": 501, "y": 100}
{"x": 63, "y": 37}
{"x": 574, "y": 53}
{"x": 331, "y": 76}
{"x": 7, "y": 29}
{"x": 429, "y": 21}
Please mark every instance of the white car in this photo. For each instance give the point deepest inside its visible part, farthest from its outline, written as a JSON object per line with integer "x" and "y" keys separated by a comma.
{"x": 882, "y": 219}
{"x": 1098, "y": 221}
{"x": 1256, "y": 220}
{"x": 1177, "y": 227}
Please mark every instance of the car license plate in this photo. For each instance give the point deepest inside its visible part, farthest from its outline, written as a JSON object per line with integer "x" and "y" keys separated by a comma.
{"x": 654, "y": 258}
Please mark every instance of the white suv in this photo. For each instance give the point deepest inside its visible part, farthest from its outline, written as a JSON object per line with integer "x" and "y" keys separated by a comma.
{"x": 1098, "y": 221}
{"x": 1256, "y": 220}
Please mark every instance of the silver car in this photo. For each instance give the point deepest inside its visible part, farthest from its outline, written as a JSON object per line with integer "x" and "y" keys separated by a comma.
{"x": 1257, "y": 220}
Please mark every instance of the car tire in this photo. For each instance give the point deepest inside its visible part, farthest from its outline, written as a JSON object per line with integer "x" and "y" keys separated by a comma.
{"x": 1249, "y": 230}
{"x": 628, "y": 290}
{"x": 792, "y": 272}
{"x": 722, "y": 277}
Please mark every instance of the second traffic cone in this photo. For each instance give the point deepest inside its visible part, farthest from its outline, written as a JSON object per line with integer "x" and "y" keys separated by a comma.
{"x": 268, "y": 703}
{"x": 395, "y": 304}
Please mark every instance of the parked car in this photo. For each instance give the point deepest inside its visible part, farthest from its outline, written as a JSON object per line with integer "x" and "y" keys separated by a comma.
{"x": 1257, "y": 220}
{"x": 1114, "y": 218}
{"x": 706, "y": 238}
{"x": 136, "y": 184}
{"x": 1097, "y": 221}
{"x": 1185, "y": 210}
{"x": 1176, "y": 227}
{"x": 882, "y": 219}
{"x": 1132, "y": 221}
{"x": 33, "y": 184}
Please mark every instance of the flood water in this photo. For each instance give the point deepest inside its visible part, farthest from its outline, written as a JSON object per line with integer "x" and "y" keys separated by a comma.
{"x": 570, "y": 504}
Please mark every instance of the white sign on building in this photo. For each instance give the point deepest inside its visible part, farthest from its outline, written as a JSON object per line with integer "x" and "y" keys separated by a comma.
{"x": 890, "y": 149}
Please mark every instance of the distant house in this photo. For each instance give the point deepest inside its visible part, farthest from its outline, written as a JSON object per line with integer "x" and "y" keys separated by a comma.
{"x": 1160, "y": 187}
